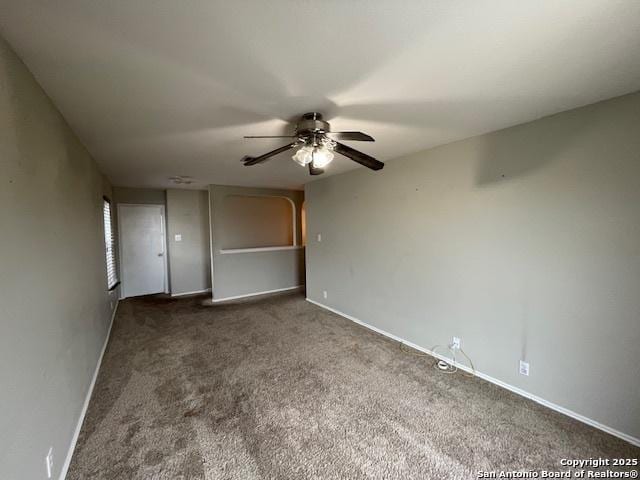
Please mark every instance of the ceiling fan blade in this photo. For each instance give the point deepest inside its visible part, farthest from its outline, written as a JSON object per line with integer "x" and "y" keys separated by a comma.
{"x": 315, "y": 171}
{"x": 248, "y": 161}
{"x": 359, "y": 157}
{"x": 269, "y": 136}
{"x": 358, "y": 136}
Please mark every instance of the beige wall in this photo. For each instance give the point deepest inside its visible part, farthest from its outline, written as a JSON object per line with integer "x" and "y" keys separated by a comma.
{"x": 54, "y": 306}
{"x": 189, "y": 258}
{"x": 247, "y": 273}
{"x": 524, "y": 242}
{"x": 153, "y": 196}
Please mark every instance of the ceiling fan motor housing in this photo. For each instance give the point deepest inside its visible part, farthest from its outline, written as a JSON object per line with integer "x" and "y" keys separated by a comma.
{"x": 312, "y": 123}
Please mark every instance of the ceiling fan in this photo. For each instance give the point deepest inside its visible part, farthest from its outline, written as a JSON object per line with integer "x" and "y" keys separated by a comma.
{"x": 316, "y": 144}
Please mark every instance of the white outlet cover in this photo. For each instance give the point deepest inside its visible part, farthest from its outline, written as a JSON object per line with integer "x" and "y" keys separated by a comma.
{"x": 319, "y": 237}
{"x": 324, "y": 293}
{"x": 178, "y": 238}
{"x": 456, "y": 342}
{"x": 524, "y": 368}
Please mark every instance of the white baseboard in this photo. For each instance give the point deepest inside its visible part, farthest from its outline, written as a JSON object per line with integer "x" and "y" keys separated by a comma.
{"x": 195, "y": 292}
{"x": 624, "y": 436}
{"x": 85, "y": 406}
{"x": 255, "y": 294}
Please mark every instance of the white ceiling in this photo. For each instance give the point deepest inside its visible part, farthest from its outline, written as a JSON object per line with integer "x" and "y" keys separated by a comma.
{"x": 157, "y": 88}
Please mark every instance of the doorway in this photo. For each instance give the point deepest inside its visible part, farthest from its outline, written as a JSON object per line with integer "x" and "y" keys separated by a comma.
{"x": 143, "y": 252}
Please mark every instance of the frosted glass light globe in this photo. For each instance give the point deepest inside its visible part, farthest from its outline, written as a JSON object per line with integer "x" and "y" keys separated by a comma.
{"x": 303, "y": 156}
{"x": 322, "y": 157}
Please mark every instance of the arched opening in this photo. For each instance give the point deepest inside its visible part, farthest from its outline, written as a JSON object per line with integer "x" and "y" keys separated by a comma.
{"x": 252, "y": 221}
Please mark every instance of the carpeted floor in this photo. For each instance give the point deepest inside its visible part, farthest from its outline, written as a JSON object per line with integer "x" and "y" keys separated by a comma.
{"x": 280, "y": 389}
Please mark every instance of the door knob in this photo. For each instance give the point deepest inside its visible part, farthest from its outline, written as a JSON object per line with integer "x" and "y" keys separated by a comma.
{"x": 161, "y": 254}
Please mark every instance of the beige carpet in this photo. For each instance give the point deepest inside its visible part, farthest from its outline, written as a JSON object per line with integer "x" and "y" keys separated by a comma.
{"x": 281, "y": 389}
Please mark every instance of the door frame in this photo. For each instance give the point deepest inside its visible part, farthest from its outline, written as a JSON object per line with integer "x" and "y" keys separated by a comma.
{"x": 164, "y": 243}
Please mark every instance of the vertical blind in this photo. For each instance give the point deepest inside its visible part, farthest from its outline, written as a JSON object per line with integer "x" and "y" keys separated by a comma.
{"x": 109, "y": 243}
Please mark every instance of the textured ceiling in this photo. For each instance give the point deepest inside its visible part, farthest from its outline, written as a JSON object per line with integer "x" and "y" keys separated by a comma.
{"x": 157, "y": 88}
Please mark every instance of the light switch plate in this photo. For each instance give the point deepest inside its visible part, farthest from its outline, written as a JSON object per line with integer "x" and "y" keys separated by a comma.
{"x": 319, "y": 237}
{"x": 178, "y": 238}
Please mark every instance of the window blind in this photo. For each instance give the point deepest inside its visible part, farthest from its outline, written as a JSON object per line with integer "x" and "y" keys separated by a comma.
{"x": 109, "y": 243}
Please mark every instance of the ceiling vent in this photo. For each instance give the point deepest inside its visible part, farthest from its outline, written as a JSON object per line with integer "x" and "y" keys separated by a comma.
{"x": 182, "y": 180}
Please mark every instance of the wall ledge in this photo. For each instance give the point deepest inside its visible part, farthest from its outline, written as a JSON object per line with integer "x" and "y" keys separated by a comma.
{"x": 231, "y": 251}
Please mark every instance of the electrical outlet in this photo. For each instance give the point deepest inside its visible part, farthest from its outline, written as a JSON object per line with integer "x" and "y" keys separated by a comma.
{"x": 319, "y": 237}
{"x": 524, "y": 368}
{"x": 178, "y": 237}
{"x": 49, "y": 462}
{"x": 324, "y": 294}
{"x": 455, "y": 343}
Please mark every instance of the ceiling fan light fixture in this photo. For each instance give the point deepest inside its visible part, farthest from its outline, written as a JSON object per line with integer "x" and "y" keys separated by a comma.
{"x": 321, "y": 157}
{"x": 316, "y": 144}
{"x": 318, "y": 156}
{"x": 303, "y": 156}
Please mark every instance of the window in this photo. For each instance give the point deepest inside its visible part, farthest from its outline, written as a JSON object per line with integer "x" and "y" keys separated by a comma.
{"x": 109, "y": 244}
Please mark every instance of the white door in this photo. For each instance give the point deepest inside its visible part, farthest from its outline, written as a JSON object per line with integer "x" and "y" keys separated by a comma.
{"x": 142, "y": 249}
